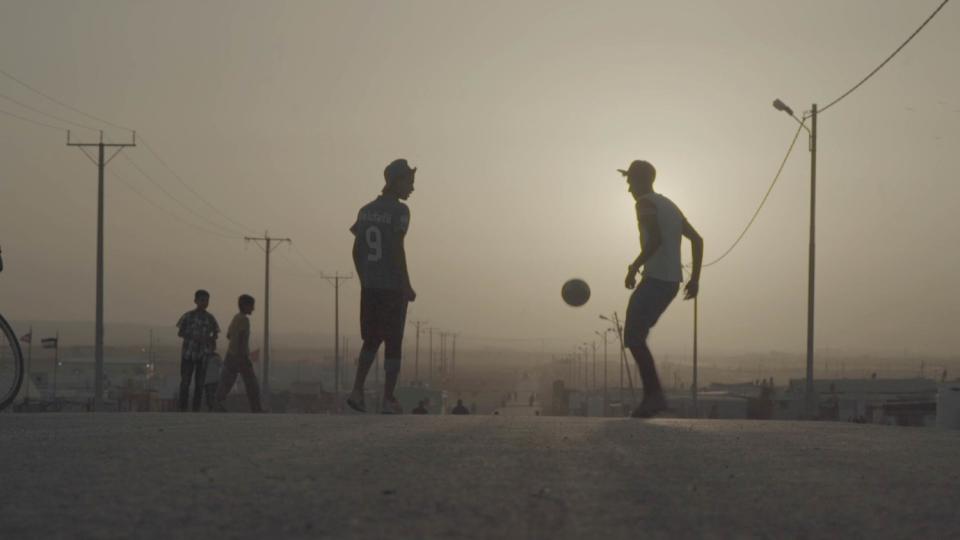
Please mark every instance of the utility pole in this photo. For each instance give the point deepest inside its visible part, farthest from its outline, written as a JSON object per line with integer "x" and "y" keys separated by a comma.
{"x": 593, "y": 345}
{"x": 101, "y": 162}
{"x": 416, "y": 357}
{"x": 811, "y": 272}
{"x": 29, "y": 361}
{"x": 809, "y": 405}
{"x": 153, "y": 366}
{"x": 346, "y": 354}
{"x": 335, "y": 280}
{"x": 443, "y": 355}
{"x": 453, "y": 359}
{"x": 693, "y": 387}
{"x": 267, "y": 244}
{"x": 603, "y": 336}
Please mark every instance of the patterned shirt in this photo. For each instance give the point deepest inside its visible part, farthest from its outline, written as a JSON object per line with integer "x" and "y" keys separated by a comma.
{"x": 199, "y": 330}
{"x": 378, "y": 232}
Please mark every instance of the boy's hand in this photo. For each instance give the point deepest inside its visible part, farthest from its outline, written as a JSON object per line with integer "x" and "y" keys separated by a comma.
{"x": 691, "y": 290}
{"x": 631, "y": 280}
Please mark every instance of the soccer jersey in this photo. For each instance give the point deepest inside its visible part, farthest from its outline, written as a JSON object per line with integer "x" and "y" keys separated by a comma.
{"x": 378, "y": 232}
{"x": 665, "y": 262}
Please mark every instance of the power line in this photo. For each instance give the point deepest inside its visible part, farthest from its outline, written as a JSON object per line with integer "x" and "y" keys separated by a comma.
{"x": 193, "y": 191}
{"x": 158, "y": 206}
{"x": 62, "y": 104}
{"x": 878, "y": 68}
{"x": 35, "y": 122}
{"x": 235, "y": 234}
{"x": 312, "y": 266}
{"x": 48, "y": 115}
{"x": 762, "y": 201}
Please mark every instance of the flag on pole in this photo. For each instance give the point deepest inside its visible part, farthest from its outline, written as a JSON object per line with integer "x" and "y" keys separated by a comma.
{"x": 27, "y": 338}
{"x": 49, "y": 343}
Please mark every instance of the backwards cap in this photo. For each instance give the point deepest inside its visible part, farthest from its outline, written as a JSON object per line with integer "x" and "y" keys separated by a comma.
{"x": 397, "y": 168}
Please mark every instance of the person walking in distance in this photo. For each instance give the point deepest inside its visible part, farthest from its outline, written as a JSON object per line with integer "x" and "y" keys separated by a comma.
{"x": 199, "y": 330}
{"x": 237, "y": 360}
{"x": 661, "y": 226}
{"x": 385, "y": 290}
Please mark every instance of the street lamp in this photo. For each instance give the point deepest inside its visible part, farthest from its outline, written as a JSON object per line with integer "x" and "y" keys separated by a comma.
{"x": 603, "y": 336}
{"x": 618, "y": 328}
{"x": 811, "y": 259}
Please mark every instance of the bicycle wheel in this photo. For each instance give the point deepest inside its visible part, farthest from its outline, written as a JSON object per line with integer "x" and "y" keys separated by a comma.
{"x": 11, "y": 364}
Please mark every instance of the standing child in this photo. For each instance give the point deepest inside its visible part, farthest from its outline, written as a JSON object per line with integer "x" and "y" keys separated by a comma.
{"x": 199, "y": 330}
{"x": 212, "y": 379}
{"x": 385, "y": 291}
{"x": 237, "y": 360}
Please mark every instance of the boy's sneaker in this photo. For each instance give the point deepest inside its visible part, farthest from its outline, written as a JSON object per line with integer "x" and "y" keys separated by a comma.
{"x": 649, "y": 408}
{"x": 391, "y": 406}
{"x": 355, "y": 401}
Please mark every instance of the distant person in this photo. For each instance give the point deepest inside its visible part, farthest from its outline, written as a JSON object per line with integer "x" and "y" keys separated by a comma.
{"x": 661, "y": 226}
{"x": 237, "y": 360}
{"x": 199, "y": 330}
{"x": 212, "y": 379}
{"x": 381, "y": 264}
{"x": 459, "y": 408}
{"x": 420, "y": 408}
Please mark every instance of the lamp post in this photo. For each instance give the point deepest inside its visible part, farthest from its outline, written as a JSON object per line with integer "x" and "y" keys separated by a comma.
{"x": 618, "y": 328}
{"x": 603, "y": 336}
{"x": 811, "y": 258}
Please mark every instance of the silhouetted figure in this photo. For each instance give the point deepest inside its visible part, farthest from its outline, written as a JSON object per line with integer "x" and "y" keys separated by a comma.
{"x": 420, "y": 408}
{"x": 459, "y": 408}
{"x": 237, "y": 360}
{"x": 199, "y": 330}
{"x": 381, "y": 264}
{"x": 211, "y": 379}
{"x": 662, "y": 225}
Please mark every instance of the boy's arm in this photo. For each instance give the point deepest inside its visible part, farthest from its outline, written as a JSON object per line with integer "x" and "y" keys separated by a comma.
{"x": 408, "y": 291}
{"x": 696, "y": 242}
{"x": 181, "y": 331}
{"x": 403, "y": 225}
{"x": 244, "y": 338}
{"x": 215, "y": 331}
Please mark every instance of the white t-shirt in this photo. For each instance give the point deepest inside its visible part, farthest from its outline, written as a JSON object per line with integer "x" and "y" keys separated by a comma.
{"x": 665, "y": 262}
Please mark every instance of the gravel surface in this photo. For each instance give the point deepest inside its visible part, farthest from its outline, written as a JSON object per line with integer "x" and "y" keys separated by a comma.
{"x": 367, "y": 476}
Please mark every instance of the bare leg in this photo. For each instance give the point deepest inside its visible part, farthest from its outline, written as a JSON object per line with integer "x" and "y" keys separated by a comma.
{"x": 252, "y": 385}
{"x": 368, "y": 353}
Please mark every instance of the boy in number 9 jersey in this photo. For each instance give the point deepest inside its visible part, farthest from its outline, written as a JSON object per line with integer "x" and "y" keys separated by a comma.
{"x": 381, "y": 264}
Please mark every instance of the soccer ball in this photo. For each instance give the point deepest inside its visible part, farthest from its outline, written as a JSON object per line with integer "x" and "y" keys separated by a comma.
{"x": 575, "y": 292}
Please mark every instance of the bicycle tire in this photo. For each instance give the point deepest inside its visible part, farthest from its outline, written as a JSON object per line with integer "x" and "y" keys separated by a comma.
{"x": 11, "y": 365}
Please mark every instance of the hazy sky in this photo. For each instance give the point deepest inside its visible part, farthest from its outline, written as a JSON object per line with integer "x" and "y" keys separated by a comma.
{"x": 517, "y": 114}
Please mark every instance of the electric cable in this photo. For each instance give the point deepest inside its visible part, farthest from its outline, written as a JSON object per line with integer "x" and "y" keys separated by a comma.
{"x": 763, "y": 201}
{"x": 48, "y": 115}
{"x": 62, "y": 104}
{"x": 180, "y": 179}
{"x": 183, "y": 205}
{"x": 878, "y": 68}
{"x": 305, "y": 259}
{"x": 36, "y": 122}
{"x": 158, "y": 206}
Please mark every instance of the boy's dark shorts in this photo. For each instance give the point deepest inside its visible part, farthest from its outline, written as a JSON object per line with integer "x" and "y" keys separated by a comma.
{"x": 648, "y": 301}
{"x": 383, "y": 315}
